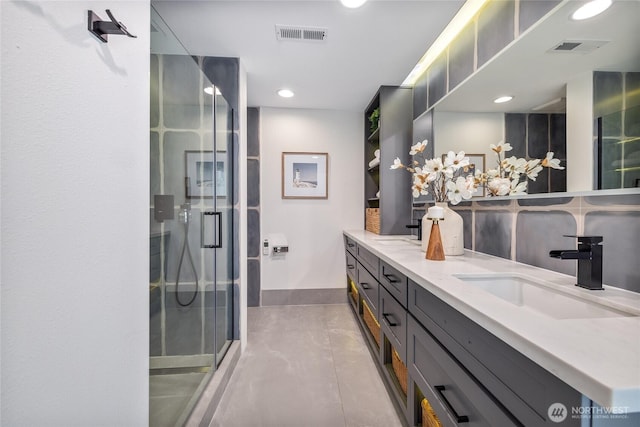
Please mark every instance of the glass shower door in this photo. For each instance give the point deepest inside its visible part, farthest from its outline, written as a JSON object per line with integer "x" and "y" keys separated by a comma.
{"x": 191, "y": 232}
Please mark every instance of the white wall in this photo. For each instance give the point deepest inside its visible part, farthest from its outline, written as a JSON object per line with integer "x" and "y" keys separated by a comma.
{"x": 471, "y": 132}
{"x": 313, "y": 227}
{"x": 580, "y": 133}
{"x": 242, "y": 184}
{"x": 75, "y": 218}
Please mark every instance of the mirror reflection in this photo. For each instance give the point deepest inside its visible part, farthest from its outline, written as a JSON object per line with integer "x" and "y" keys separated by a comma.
{"x": 576, "y": 92}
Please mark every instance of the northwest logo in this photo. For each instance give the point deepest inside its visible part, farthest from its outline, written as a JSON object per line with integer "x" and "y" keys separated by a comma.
{"x": 557, "y": 412}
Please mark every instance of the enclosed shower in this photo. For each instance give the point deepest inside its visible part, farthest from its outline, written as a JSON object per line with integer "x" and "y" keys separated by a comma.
{"x": 191, "y": 228}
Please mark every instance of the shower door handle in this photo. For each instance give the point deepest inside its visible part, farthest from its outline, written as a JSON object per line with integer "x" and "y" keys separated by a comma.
{"x": 206, "y": 227}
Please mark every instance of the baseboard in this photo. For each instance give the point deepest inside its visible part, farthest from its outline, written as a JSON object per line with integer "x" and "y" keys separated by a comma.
{"x": 303, "y": 296}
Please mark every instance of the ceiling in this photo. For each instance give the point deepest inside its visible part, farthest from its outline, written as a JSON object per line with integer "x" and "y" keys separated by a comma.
{"x": 535, "y": 76}
{"x": 376, "y": 44}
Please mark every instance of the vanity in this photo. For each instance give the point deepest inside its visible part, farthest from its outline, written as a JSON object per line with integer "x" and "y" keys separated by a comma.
{"x": 480, "y": 340}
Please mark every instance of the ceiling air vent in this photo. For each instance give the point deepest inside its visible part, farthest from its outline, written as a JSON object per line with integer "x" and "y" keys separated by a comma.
{"x": 291, "y": 32}
{"x": 577, "y": 46}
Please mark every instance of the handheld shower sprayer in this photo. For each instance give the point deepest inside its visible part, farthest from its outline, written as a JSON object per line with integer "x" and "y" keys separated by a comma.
{"x": 185, "y": 218}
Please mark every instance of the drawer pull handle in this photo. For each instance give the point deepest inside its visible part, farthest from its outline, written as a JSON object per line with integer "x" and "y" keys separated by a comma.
{"x": 365, "y": 286}
{"x": 351, "y": 245}
{"x": 459, "y": 418}
{"x": 351, "y": 266}
{"x": 391, "y": 278}
{"x": 386, "y": 319}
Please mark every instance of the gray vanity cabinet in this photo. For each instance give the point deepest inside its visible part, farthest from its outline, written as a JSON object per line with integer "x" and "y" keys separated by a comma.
{"x": 393, "y": 322}
{"x": 455, "y": 396}
{"x": 394, "y": 281}
{"x": 368, "y": 286}
{"x": 521, "y": 386}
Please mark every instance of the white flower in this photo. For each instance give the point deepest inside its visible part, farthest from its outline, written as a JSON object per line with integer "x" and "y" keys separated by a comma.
{"x": 456, "y": 161}
{"x": 418, "y": 147}
{"x": 456, "y": 191}
{"x": 533, "y": 169}
{"x": 397, "y": 163}
{"x": 502, "y": 146}
{"x": 550, "y": 162}
{"x": 518, "y": 188}
{"x": 499, "y": 186}
{"x": 433, "y": 167}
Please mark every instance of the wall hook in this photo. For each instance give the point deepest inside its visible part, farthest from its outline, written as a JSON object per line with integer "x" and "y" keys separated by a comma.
{"x": 100, "y": 28}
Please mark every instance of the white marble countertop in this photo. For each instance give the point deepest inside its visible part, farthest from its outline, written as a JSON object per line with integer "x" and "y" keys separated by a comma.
{"x": 600, "y": 357}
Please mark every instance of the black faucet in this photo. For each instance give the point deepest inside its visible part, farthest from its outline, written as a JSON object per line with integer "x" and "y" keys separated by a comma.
{"x": 589, "y": 256}
{"x": 418, "y": 226}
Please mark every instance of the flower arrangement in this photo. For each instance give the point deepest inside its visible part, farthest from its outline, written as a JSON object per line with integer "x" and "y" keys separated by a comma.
{"x": 447, "y": 180}
{"x": 451, "y": 180}
{"x": 507, "y": 178}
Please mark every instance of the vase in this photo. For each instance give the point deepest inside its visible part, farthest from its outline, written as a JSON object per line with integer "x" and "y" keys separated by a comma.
{"x": 451, "y": 231}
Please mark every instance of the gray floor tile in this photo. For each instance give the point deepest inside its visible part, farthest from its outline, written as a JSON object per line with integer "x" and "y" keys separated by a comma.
{"x": 305, "y": 365}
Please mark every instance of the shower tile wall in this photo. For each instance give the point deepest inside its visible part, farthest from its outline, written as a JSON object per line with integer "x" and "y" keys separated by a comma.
{"x": 526, "y": 230}
{"x": 180, "y": 120}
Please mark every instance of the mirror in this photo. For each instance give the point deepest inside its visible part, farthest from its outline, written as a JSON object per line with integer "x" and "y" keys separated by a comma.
{"x": 549, "y": 71}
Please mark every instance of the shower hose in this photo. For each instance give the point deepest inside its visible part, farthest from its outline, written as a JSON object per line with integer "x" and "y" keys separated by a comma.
{"x": 185, "y": 247}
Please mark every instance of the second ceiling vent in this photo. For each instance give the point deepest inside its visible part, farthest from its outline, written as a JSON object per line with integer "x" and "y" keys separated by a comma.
{"x": 295, "y": 32}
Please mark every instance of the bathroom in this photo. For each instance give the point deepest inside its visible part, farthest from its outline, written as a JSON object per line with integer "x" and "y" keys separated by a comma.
{"x": 75, "y": 330}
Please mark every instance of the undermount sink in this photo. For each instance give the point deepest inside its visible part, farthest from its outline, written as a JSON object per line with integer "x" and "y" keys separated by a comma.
{"x": 530, "y": 294}
{"x": 397, "y": 241}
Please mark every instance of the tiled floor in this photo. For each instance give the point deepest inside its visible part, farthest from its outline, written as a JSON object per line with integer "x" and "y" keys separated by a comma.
{"x": 305, "y": 366}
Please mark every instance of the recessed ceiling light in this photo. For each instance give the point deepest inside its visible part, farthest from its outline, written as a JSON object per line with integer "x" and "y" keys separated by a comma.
{"x": 352, "y": 4}
{"x": 591, "y": 9}
{"x": 285, "y": 93}
{"x": 209, "y": 90}
{"x": 502, "y": 99}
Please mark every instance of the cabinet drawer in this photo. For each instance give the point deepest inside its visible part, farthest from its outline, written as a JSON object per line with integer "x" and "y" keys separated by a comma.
{"x": 455, "y": 396}
{"x": 369, "y": 287}
{"x": 369, "y": 260}
{"x": 350, "y": 245}
{"x": 351, "y": 267}
{"x": 522, "y": 386}
{"x": 394, "y": 282}
{"x": 393, "y": 320}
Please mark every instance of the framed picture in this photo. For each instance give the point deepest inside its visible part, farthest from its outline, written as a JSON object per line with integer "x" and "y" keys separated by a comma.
{"x": 200, "y": 169}
{"x": 304, "y": 175}
{"x": 476, "y": 162}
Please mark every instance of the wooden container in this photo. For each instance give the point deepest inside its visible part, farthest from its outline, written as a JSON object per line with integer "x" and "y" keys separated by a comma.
{"x": 372, "y": 222}
{"x": 429, "y": 417}
{"x": 400, "y": 370}
{"x": 353, "y": 291}
{"x": 371, "y": 322}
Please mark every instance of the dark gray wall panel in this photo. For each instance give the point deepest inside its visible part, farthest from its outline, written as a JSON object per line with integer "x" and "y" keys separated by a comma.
{"x": 541, "y": 184}
{"x": 620, "y": 254}
{"x": 611, "y": 200}
{"x": 154, "y": 75}
{"x": 253, "y": 132}
{"x": 557, "y": 180}
{"x": 253, "y": 283}
{"x": 558, "y": 136}
{"x": 154, "y": 151}
{"x": 253, "y": 181}
{"x": 493, "y": 202}
{"x": 420, "y": 95}
{"x": 461, "y": 55}
{"x": 467, "y": 218}
{"x": 532, "y": 10}
{"x": 538, "y": 135}
{"x": 223, "y": 72}
{"x": 437, "y": 80}
{"x": 180, "y": 92}
{"x": 607, "y": 91}
{"x": 253, "y": 232}
{"x": 493, "y": 233}
{"x": 545, "y": 202}
{"x": 532, "y": 249}
{"x": 495, "y": 29}
{"x": 516, "y": 133}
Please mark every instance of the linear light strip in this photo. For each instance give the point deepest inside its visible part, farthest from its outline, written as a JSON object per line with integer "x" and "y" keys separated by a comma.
{"x": 466, "y": 13}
